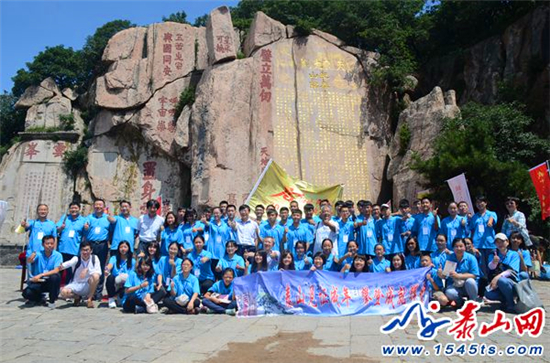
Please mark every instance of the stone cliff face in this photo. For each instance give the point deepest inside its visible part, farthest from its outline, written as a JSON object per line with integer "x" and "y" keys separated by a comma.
{"x": 308, "y": 102}
{"x": 520, "y": 57}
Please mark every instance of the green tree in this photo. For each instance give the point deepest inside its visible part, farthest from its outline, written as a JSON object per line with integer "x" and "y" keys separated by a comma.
{"x": 201, "y": 20}
{"x": 64, "y": 65}
{"x": 179, "y": 17}
{"x": 12, "y": 121}
{"x": 493, "y": 146}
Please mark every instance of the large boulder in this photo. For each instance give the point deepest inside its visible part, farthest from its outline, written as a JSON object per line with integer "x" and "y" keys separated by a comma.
{"x": 220, "y": 36}
{"x": 263, "y": 31}
{"x": 35, "y": 95}
{"x": 424, "y": 119}
{"x": 48, "y": 114}
{"x": 122, "y": 165}
{"x": 32, "y": 173}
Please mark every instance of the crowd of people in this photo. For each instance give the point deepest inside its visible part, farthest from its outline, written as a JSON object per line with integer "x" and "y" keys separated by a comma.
{"x": 186, "y": 263}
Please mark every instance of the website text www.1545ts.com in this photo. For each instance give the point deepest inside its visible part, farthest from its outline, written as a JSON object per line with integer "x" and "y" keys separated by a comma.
{"x": 471, "y": 349}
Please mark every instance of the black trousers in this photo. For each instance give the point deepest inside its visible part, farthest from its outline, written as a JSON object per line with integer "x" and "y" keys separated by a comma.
{"x": 34, "y": 290}
{"x": 173, "y": 306}
{"x": 68, "y": 272}
{"x": 133, "y": 300}
{"x": 111, "y": 286}
{"x": 101, "y": 249}
{"x": 205, "y": 285}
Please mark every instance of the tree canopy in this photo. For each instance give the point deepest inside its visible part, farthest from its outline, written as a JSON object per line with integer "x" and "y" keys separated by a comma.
{"x": 179, "y": 17}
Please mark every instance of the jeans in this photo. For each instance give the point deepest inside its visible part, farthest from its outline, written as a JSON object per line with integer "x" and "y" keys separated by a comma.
{"x": 504, "y": 293}
{"x": 219, "y": 309}
{"x": 523, "y": 276}
{"x": 101, "y": 249}
{"x": 457, "y": 293}
{"x": 173, "y": 306}
{"x": 34, "y": 290}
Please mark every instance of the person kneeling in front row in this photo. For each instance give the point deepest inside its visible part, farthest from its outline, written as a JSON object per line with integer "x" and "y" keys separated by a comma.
{"x": 86, "y": 272}
{"x": 220, "y": 299}
{"x": 184, "y": 291}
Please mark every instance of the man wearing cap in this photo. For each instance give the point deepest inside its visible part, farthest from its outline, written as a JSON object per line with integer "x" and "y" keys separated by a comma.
{"x": 503, "y": 271}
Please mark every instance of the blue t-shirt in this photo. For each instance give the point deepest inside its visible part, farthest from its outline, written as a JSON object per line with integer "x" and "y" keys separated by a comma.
{"x": 379, "y": 265}
{"x": 366, "y": 236}
{"x": 202, "y": 270}
{"x": 511, "y": 259}
{"x": 310, "y": 226}
{"x": 436, "y": 278}
{"x": 346, "y": 233}
{"x": 185, "y": 286}
{"x": 123, "y": 268}
{"x": 296, "y": 234}
{"x": 412, "y": 262}
{"x": 219, "y": 235}
{"x": 232, "y": 263}
{"x": 165, "y": 269}
{"x": 483, "y": 236}
{"x": 189, "y": 235}
{"x": 124, "y": 230}
{"x": 302, "y": 264}
{"x": 42, "y": 263}
{"x": 424, "y": 229}
{"x": 276, "y": 232}
{"x": 468, "y": 264}
{"x": 38, "y": 231}
{"x": 288, "y": 223}
{"x": 330, "y": 265}
{"x": 71, "y": 235}
{"x": 439, "y": 258}
{"x": 135, "y": 280}
{"x": 453, "y": 228}
{"x": 167, "y": 237}
{"x": 220, "y": 288}
{"x": 98, "y": 228}
{"x": 388, "y": 232}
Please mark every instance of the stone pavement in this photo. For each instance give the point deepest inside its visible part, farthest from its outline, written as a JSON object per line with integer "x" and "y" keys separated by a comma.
{"x": 69, "y": 334}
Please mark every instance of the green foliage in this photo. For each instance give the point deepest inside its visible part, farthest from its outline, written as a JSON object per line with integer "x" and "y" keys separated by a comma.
{"x": 12, "y": 120}
{"x": 493, "y": 146}
{"x": 404, "y": 138}
{"x": 67, "y": 122}
{"x": 43, "y": 129}
{"x": 240, "y": 55}
{"x": 187, "y": 98}
{"x": 179, "y": 17}
{"x": 75, "y": 161}
{"x": 64, "y": 65}
{"x": 201, "y": 20}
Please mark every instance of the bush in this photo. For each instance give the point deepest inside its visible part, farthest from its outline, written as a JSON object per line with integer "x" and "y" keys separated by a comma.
{"x": 187, "y": 98}
{"x": 404, "y": 139}
{"x": 74, "y": 161}
{"x": 67, "y": 122}
{"x": 43, "y": 129}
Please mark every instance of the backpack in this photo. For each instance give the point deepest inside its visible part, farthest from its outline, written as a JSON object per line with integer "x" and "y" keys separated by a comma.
{"x": 527, "y": 297}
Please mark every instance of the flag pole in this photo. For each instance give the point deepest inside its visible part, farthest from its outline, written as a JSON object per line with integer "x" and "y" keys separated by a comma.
{"x": 258, "y": 182}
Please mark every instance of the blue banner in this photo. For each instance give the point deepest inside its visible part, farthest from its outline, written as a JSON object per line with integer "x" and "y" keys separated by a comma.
{"x": 329, "y": 293}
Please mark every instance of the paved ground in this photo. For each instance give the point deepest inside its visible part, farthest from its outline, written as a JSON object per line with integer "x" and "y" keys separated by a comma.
{"x": 69, "y": 334}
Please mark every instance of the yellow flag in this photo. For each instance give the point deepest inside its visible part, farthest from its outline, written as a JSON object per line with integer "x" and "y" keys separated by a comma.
{"x": 276, "y": 187}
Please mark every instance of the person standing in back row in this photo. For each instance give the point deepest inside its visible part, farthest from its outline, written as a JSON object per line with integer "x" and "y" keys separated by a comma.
{"x": 149, "y": 227}
{"x": 96, "y": 230}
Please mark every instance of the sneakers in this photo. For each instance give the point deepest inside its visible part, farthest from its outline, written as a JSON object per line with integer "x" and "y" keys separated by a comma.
{"x": 112, "y": 303}
{"x": 140, "y": 310}
{"x": 231, "y": 312}
{"x": 51, "y": 305}
{"x": 164, "y": 310}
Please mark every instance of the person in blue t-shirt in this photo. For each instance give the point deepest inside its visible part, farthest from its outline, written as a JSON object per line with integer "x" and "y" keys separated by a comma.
{"x": 435, "y": 282}
{"x": 297, "y": 232}
{"x": 346, "y": 230}
{"x": 387, "y": 231}
{"x": 220, "y": 299}
{"x": 220, "y": 233}
{"x": 201, "y": 264}
{"x": 231, "y": 259}
{"x": 184, "y": 291}
{"x": 319, "y": 261}
{"x": 301, "y": 261}
{"x": 405, "y": 223}
{"x": 117, "y": 270}
{"x": 440, "y": 255}
{"x": 125, "y": 227}
{"x": 70, "y": 229}
{"x": 412, "y": 254}
{"x": 462, "y": 282}
{"x": 285, "y": 221}
{"x": 483, "y": 232}
{"x": 38, "y": 228}
{"x": 96, "y": 231}
{"x": 365, "y": 225}
{"x": 331, "y": 260}
{"x": 398, "y": 263}
{"x": 139, "y": 288}
{"x": 170, "y": 233}
{"x": 454, "y": 226}
{"x": 379, "y": 263}
{"x": 258, "y": 264}
{"x": 45, "y": 274}
{"x": 310, "y": 219}
{"x": 347, "y": 258}
{"x": 272, "y": 229}
{"x": 504, "y": 265}
{"x": 517, "y": 243}
{"x": 190, "y": 230}
{"x": 287, "y": 261}
{"x": 426, "y": 226}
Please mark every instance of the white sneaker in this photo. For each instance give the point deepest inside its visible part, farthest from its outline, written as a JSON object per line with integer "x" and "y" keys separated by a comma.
{"x": 112, "y": 303}
{"x": 51, "y": 305}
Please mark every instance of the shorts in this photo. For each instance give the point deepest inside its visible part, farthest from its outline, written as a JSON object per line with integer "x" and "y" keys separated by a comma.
{"x": 79, "y": 288}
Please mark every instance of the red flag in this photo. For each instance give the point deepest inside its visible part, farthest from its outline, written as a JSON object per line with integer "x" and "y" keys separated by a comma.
{"x": 159, "y": 211}
{"x": 541, "y": 180}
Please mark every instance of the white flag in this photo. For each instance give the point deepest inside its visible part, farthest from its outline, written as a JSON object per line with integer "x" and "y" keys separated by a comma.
{"x": 459, "y": 187}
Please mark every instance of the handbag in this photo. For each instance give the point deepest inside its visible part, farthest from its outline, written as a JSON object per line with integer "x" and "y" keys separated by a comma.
{"x": 151, "y": 307}
{"x": 527, "y": 297}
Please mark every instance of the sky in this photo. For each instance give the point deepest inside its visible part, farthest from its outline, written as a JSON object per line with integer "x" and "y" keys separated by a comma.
{"x": 28, "y": 27}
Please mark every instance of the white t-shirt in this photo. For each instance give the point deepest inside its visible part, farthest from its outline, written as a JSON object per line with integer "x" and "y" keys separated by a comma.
{"x": 94, "y": 268}
{"x": 322, "y": 232}
{"x": 149, "y": 227}
{"x": 246, "y": 233}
